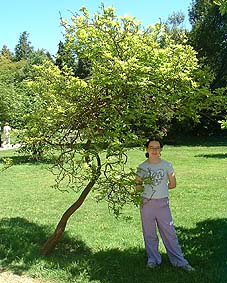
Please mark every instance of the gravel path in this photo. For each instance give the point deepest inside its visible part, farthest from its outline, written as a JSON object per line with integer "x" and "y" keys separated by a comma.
{"x": 6, "y": 277}
{"x": 17, "y": 145}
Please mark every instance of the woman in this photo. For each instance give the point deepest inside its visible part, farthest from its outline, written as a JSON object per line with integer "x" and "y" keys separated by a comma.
{"x": 155, "y": 177}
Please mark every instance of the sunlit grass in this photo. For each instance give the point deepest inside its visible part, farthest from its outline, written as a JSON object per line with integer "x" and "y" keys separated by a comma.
{"x": 99, "y": 248}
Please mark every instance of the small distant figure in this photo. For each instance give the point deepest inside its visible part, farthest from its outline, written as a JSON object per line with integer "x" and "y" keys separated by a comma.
{"x": 6, "y": 135}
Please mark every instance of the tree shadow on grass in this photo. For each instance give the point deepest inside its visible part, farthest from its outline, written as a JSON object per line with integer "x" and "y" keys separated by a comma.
{"x": 18, "y": 160}
{"x": 214, "y": 155}
{"x": 205, "y": 246}
{"x": 190, "y": 140}
{"x": 24, "y": 159}
{"x": 21, "y": 240}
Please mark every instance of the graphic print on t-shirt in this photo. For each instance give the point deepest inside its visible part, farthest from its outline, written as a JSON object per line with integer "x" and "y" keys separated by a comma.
{"x": 154, "y": 178}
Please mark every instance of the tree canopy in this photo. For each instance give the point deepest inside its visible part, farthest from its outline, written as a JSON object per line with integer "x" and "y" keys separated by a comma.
{"x": 208, "y": 37}
{"x": 140, "y": 79}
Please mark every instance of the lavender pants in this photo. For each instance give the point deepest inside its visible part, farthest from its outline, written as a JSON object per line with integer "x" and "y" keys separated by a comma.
{"x": 156, "y": 213}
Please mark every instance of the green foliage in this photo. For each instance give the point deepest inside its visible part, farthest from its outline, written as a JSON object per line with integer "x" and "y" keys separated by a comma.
{"x": 222, "y": 6}
{"x": 223, "y": 124}
{"x": 14, "y": 101}
{"x": 6, "y": 53}
{"x": 208, "y": 37}
{"x": 140, "y": 80}
{"x": 175, "y": 28}
{"x": 66, "y": 57}
{"x": 23, "y": 49}
{"x": 10, "y": 91}
{"x": 7, "y": 163}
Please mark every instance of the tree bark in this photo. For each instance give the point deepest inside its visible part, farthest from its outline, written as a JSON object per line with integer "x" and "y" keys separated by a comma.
{"x": 51, "y": 243}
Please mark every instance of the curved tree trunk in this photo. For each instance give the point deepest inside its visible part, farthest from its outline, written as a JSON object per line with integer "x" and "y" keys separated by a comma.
{"x": 51, "y": 243}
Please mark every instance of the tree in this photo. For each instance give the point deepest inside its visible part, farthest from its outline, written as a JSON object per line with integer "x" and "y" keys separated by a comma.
{"x": 6, "y": 53}
{"x": 140, "y": 80}
{"x": 14, "y": 101}
{"x": 23, "y": 49}
{"x": 175, "y": 28}
{"x": 66, "y": 57}
{"x": 208, "y": 37}
{"x": 10, "y": 92}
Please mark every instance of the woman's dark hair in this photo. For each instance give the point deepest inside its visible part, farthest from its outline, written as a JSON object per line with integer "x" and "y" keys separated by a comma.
{"x": 154, "y": 139}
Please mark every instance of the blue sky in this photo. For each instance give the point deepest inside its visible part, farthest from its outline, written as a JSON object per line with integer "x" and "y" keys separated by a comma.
{"x": 41, "y": 18}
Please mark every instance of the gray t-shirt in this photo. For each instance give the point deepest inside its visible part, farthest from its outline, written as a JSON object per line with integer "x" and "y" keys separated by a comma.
{"x": 155, "y": 178}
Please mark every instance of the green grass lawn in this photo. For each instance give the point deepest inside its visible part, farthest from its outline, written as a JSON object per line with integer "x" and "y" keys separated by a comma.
{"x": 98, "y": 248}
